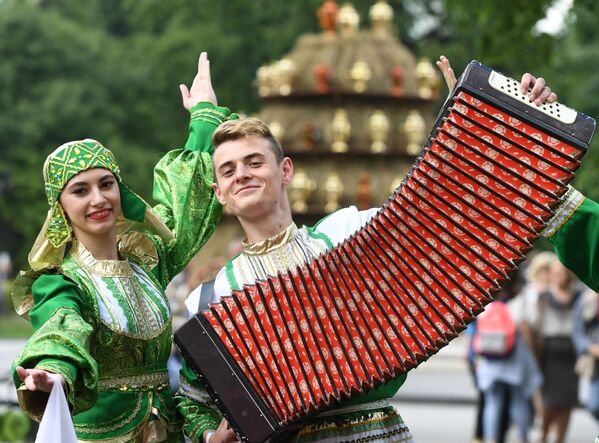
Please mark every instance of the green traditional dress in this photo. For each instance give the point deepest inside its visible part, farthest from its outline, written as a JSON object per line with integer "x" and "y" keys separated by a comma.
{"x": 105, "y": 325}
{"x": 574, "y": 234}
{"x": 368, "y": 417}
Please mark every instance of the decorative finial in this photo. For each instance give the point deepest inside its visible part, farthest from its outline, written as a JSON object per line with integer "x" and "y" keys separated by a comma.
{"x": 327, "y": 16}
{"x": 333, "y": 188}
{"x": 286, "y": 71}
{"x": 381, "y": 17}
{"x": 378, "y": 127}
{"x": 427, "y": 81}
{"x": 360, "y": 73}
{"x": 322, "y": 78}
{"x": 263, "y": 80}
{"x": 414, "y": 127}
{"x": 300, "y": 190}
{"x": 341, "y": 131}
{"x": 397, "y": 81}
{"x": 308, "y": 132}
{"x": 364, "y": 191}
{"x": 277, "y": 130}
{"x": 348, "y": 20}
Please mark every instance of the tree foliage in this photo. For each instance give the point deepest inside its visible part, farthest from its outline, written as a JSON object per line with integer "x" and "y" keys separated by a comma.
{"x": 110, "y": 69}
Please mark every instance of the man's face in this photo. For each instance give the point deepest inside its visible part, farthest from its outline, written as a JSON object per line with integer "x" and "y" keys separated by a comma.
{"x": 249, "y": 181}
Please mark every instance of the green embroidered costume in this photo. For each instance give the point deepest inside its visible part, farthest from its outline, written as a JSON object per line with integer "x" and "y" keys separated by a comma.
{"x": 105, "y": 325}
{"x": 574, "y": 233}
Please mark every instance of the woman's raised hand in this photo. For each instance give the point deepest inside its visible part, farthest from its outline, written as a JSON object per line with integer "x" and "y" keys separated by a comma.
{"x": 201, "y": 89}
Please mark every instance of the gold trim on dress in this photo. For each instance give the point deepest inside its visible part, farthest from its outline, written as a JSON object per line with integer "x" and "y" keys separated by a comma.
{"x": 156, "y": 381}
{"x": 272, "y": 243}
{"x": 120, "y": 424}
{"x": 102, "y": 268}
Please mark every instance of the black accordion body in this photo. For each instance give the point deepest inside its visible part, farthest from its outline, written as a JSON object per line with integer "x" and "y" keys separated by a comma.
{"x": 410, "y": 280}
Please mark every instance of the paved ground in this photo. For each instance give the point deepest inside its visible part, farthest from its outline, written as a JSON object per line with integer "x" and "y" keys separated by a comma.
{"x": 437, "y": 400}
{"x": 437, "y": 403}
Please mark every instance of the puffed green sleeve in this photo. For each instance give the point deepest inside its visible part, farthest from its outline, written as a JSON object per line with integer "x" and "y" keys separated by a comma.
{"x": 574, "y": 234}
{"x": 195, "y": 406}
{"x": 183, "y": 181}
{"x": 59, "y": 344}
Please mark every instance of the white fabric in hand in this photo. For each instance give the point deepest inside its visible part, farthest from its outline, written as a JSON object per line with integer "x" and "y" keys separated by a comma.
{"x": 56, "y": 425}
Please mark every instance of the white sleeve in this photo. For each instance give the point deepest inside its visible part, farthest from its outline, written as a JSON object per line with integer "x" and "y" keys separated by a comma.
{"x": 341, "y": 224}
{"x": 221, "y": 288}
{"x": 193, "y": 300}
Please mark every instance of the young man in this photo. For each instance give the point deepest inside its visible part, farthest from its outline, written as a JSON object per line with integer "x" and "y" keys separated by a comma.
{"x": 252, "y": 175}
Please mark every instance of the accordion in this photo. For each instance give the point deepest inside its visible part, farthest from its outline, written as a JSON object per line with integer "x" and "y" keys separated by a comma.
{"x": 410, "y": 280}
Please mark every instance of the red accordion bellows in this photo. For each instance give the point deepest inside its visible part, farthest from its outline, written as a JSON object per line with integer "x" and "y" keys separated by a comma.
{"x": 406, "y": 283}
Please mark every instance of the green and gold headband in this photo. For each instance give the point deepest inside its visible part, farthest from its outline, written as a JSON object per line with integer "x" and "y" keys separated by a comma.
{"x": 72, "y": 158}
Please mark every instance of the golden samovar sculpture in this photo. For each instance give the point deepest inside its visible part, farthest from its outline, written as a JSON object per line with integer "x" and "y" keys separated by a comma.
{"x": 378, "y": 128}
{"x": 300, "y": 190}
{"x": 333, "y": 188}
{"x": 341, "y": 129}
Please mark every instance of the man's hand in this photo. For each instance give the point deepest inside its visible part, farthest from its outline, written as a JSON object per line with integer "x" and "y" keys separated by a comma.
{"x": 223, "y": 434}
{"x": 201, "y": 88}
{"x": 38, "y": 379}
{"x": 447, "y": 71}
{"x": 540, "y": 92}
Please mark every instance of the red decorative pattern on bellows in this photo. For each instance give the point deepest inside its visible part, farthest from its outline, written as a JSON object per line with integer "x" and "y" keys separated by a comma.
{"x": 404, "y": 285}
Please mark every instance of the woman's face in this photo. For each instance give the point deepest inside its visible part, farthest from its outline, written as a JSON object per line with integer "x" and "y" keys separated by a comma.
{"x": 559, "y": 274}
{"x": 91, "y": 201}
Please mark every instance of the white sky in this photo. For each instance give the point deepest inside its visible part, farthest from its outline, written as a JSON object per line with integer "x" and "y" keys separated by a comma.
{"x": 554, "y": 21}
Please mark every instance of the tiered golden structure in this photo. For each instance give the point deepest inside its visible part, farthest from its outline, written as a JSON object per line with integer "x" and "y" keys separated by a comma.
{"x": 351, "y": 107}
{"x": 354, "y": 104}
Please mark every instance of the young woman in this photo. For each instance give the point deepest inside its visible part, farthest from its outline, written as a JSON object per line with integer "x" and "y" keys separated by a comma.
{"x": 95, "y": 290}
{"x": 552, "y": 319}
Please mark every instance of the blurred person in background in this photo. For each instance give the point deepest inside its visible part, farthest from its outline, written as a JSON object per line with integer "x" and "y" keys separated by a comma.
{"x": 511, "y": 376}
{"x": 551, "y": 321}
{"x": 586, "y": 341}
{"x": 536, "y": 275}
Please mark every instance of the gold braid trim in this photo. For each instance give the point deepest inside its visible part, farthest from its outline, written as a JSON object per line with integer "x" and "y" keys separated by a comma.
{"x": 571, "y": 200}
{"x": 212, "y": 118}
{"x": 156, "y": 381}
{"x": 209, "y": 111}
{"x": 367, "y": 419}
{"x": 120, "y": 424}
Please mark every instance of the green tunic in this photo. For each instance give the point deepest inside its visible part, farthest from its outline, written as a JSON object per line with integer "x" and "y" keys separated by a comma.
{"x": 105, "y": 325}
{"x": 574, "y": 233}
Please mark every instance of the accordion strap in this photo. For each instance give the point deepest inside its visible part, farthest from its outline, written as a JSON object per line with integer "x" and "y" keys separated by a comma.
{"x": 206, "y": 295}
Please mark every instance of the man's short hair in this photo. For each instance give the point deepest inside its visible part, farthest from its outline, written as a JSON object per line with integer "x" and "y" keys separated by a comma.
{"x": 246, "y": 127}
